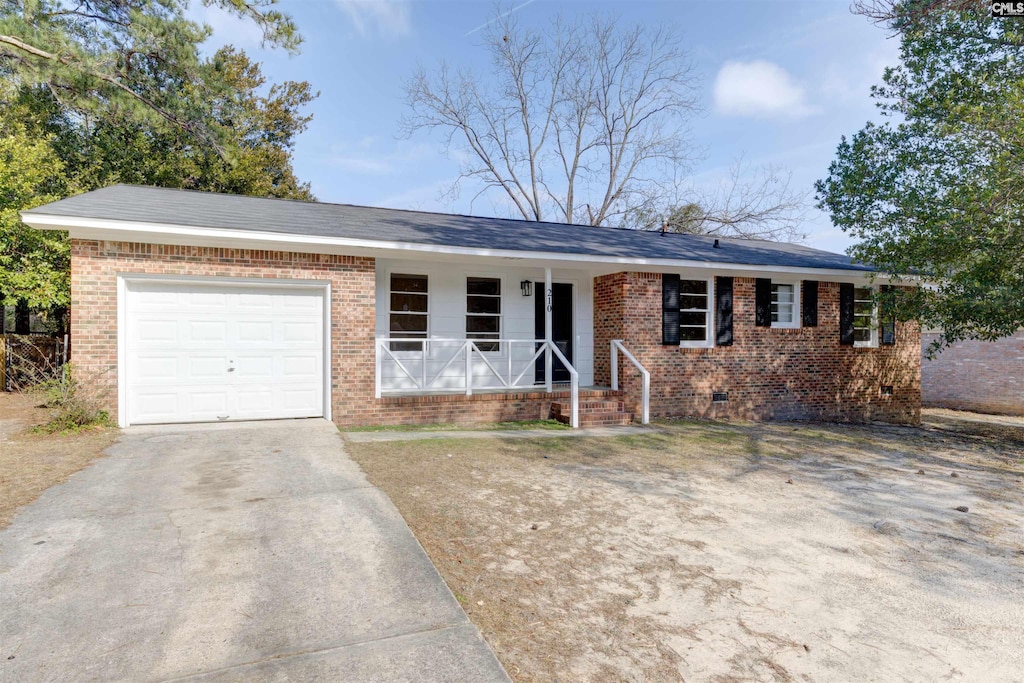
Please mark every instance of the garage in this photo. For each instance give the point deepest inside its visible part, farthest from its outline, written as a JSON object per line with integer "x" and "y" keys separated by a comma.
{"x": 220, "y": 350}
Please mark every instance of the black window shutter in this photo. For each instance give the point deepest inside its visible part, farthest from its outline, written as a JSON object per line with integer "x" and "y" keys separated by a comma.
{"x": 846, "y": 313}
{"x": 809, "y": 304}
{"x": 889, "y": 332}
{"x": 888, "y": 325}
{"x": 669, "y": 309}
{"x": 723, "y": 311}
{"x": 763, "y": 302}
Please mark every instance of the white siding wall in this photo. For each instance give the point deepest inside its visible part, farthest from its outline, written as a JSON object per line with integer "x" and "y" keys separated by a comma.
{"x": 447, "y": 306}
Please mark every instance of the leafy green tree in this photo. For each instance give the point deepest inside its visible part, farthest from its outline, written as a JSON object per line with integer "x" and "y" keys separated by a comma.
{"x": 263, "y": 124}
{"x": 937, "y": 189}
{"x": 137, "y": 56}
{"x": 33, "y": 264}
{"x": 96, "y": 92}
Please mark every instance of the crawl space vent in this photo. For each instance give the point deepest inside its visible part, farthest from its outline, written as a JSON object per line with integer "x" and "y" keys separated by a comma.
{"x": 720, "y": 397}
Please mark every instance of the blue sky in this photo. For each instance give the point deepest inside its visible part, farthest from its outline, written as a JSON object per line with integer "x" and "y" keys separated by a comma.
{"x": 781, "y": 82}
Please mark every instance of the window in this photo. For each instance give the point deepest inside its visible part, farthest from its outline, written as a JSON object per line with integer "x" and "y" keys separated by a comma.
{"x": 784, "y": 305}
{"x": 693, "y": 312}
{"x": 408, "y": 312}
{"x": 483, "y": 311}
{"x": 865, "y": 332}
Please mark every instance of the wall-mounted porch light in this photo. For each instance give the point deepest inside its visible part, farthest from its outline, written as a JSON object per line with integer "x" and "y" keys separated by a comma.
{"x": 527, "y": 287}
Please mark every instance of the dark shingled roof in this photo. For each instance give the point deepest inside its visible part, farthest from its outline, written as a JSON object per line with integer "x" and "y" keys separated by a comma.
{"x": 209, "y": 210}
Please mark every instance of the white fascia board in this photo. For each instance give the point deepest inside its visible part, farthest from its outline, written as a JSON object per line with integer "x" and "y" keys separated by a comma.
{"x": 105, "y": 229}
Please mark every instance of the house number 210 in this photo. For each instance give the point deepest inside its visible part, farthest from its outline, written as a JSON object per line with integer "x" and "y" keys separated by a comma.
{"x": 549, "y": 300}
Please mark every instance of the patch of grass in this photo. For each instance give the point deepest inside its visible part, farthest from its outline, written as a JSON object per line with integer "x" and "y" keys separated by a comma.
{"x": 553, "y": 425}
{"x": 66, "y": 425}
{"x": 638, "y": 441}
{"x": 838, "y": 434}
{"x": 440, "y": 427}
{"x": 530, "y": 424}
{"x": 552, "y": 445}
{"x": 722, "y": 438}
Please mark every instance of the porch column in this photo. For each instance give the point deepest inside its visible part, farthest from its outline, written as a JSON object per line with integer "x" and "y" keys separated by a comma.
{"x": 548, "y": 300}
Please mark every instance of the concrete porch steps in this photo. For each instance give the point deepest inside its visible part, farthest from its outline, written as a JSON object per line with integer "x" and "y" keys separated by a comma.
{"x": 607, "y": 411}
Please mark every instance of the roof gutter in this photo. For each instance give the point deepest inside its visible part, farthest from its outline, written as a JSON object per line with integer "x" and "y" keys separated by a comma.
{"x": 90, "y": 228}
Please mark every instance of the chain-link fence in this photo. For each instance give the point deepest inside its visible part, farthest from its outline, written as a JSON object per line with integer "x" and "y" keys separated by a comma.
{"x": 29, "y": 360}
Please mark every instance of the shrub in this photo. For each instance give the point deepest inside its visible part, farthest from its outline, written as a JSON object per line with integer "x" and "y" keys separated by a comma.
{"x": 78, "y": 404}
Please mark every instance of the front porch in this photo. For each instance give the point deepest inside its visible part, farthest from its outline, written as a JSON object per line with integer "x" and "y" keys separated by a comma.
{"x": 464, "y": 380}
{"x": 513, "y": 340}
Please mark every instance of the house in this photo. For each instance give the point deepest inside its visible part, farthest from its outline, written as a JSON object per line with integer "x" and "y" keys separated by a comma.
{"x": 191, "y": 306}
{"x": 984, "y": 376}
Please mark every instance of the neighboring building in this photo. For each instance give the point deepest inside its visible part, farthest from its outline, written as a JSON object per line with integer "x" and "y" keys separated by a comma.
{"x": 987, "y": 377}
{"x": 198, "y": 307}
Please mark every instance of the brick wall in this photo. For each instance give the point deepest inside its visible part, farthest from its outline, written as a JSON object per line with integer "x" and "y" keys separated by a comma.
{"x": 975, "y": 375}
{"x": 95, "y": 266}
{"x": 769, "y": 373}
{"x": 462, "y": 409}
{"x": 94, "y": 269}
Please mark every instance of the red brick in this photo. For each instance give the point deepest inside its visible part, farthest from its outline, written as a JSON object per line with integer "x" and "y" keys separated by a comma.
{"x": 975, "y": 375}
{"x": 769, "y": 373}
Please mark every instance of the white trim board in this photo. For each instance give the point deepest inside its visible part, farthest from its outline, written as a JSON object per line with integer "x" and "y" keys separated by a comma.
{"x": 131, "y": 231}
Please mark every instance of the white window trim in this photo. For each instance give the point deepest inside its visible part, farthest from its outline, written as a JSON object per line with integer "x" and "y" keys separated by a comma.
{"x": 501, "y": 316}
{"x": 873, "y": 342}
{"x": 709, "y": 337}
{"x": 797, "y": 311}
{"x": 426, "y": 340}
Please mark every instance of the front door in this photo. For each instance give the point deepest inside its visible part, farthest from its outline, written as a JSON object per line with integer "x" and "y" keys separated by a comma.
{"x": 561, "y": 327}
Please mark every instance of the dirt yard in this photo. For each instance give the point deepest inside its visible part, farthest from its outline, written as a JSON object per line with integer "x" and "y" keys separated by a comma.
{"x": 731, "y": 552}
{"x": 30, "y": 463}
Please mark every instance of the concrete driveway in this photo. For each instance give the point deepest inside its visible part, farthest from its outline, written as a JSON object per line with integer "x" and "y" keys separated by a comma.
{"x": 251, "y": 551}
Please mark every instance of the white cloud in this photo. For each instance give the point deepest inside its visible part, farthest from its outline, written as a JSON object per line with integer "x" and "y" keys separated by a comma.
{"x": 382, "y": 17}
{"x": 366, "y": 156}
{"x": 759, "y": 89}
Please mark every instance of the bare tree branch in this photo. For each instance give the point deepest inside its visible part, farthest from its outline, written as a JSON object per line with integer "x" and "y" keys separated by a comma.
{"x": 889, "y": 11}
{"x": 588, "y": 121}
{"x": 752, "y": 203}
{"x": 583, "y": 113}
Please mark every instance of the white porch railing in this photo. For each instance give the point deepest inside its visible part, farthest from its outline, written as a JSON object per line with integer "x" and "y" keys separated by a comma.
{"x": 618, "y": 347}
{"x": 427, "y": 368}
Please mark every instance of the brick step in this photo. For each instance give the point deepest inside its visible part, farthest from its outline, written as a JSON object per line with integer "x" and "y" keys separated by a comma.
{"x": 586, "y": 407}
{"x": 596, "y": 394}
{"x": 617, "y": 419}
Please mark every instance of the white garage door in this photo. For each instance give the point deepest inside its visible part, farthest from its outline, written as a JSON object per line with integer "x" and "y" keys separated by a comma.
{"x": 204, "y": 352}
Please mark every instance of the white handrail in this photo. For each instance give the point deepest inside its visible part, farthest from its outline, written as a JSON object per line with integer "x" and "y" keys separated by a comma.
{"x": 616, "y": 347}
{"x": 465, "y": 349}
{"x": 574, "y": 386}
